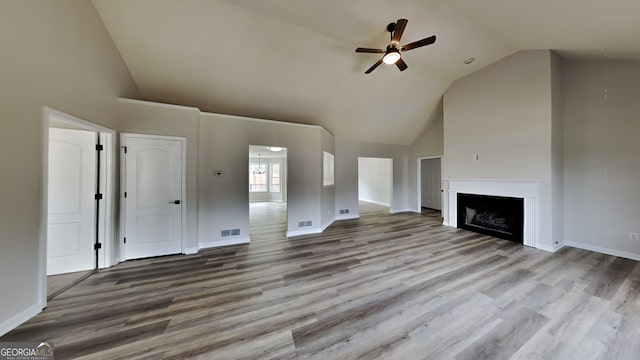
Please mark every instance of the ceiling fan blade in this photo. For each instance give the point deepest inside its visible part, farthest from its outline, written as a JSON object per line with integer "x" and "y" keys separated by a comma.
{"x": 397, "y": 33}
{"x": 416, "y": 44}
{"x": 373, "y": 67}
{"x": 401, "y": 65}
{"x": 367, "y": 50}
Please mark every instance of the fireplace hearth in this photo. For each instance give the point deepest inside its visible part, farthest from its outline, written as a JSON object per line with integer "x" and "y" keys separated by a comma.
{"x": 501, "y": 217}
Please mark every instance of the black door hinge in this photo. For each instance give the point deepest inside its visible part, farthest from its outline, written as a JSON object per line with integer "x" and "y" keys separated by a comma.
{"x": 97, "y": 246}
{"x": 98, "y": 197}
{"x": 99, "y": 147}
{"x": 125, "y": 194}
{"x": 125, "y": 240}
{"x": 125, "y": 149}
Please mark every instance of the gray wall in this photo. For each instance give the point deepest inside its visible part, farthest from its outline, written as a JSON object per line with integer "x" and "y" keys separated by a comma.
{"x": 601, "y": 161}
{"x": 56, "y": 54}
{"x": 430, "y": 142}
{"x": 374, "y": 180}
{"x": 503, "y": 113}
{"x": 224, "y": 145}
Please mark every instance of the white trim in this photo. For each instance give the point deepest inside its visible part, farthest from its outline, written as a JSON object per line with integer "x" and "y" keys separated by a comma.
{"x": 328, "y": 133}
{"x": 419, "y": 182}
{"x": 604, "y": 250}
{"x": 529, "y": 190}
{"x": 275, "y": 122}
{"x": 191, "y": 251}
{"x": 183, "y": 107}
{"x": 325, "y": 226}
{"x": 157, "y": 104}
{"x": 219, "y": 243}
{"x": 21, "y": 317}
{"x": 396, "y": 211}
{"x": 107, "y": 188}
{"x": 375, "y": 202}
{"x": 548, "y": 248}
{"x": 44, "y": 215}
{"x": 347, "y": 217}
{"x": 123, "y": 187}
{"x": 304, "y": 232}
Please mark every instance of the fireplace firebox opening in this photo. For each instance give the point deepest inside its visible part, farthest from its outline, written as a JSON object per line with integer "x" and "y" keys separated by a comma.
{"x": 501, "y": 217}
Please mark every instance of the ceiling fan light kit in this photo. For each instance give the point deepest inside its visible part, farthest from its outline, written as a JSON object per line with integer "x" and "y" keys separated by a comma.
{"x": 393, "y": 53}
{"x": 391, "y": 57}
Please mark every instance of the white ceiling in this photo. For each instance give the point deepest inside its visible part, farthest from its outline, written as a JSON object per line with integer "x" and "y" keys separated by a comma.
{"x": 295, "y": 60}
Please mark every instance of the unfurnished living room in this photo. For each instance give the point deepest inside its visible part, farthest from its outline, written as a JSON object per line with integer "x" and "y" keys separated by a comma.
{"x": 291, "y": 179}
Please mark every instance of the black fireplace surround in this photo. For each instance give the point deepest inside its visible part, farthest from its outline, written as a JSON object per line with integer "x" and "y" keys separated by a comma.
{"x": 501, "y": 217}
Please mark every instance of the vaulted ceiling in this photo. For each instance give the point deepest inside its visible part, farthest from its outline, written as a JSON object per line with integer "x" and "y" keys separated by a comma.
{"x": 295, "y": 60}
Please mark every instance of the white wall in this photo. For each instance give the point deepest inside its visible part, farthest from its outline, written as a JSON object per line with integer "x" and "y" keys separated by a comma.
{"x": 504, "y": 113}
{"x": 601, "y": 161}
{"x": 374, "y": 180}
{"x": 404, "y": 175}
{"x": 56, "y": 54}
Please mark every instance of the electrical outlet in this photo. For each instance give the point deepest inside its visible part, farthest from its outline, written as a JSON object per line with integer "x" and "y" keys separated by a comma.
{"x": 634, "y": 236}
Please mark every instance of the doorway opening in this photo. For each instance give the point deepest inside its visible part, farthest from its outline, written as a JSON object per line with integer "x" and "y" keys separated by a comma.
{"x": 78, "y": 197}
{"x": 430, "y": 186}
{"x": 267, "y": 191}
{"x": 375, "y": 185}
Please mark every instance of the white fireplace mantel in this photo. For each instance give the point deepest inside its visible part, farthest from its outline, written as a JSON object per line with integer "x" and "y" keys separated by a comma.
{"x": 529, "y": 190}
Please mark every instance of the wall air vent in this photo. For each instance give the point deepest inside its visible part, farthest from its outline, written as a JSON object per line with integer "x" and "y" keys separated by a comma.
{"x": 306, "y": 223}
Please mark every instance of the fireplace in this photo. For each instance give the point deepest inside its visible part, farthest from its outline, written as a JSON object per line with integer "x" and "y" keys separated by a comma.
{"x": 498, "y": 216}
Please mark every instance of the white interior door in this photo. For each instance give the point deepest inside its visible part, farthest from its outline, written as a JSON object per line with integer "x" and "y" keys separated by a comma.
{"x": 71, "y": 205}
{"x": 153, "y": 185}
{"x": 431, "y": 183}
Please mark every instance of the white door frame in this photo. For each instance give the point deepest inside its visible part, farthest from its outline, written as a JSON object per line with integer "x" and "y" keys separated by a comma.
{"x": 419, "y": 183}
{"x": 106, "y": 222}
{"x": 123, "y": 187}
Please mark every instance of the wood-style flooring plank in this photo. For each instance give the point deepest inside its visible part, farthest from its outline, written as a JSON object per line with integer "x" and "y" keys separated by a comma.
{"x": 384, "y": 286}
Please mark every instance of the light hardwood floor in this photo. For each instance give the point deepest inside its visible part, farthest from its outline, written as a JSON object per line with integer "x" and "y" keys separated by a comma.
{"x": 385, "y": 286}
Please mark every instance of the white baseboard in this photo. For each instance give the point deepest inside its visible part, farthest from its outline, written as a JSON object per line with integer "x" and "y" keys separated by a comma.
{"x": 395, "y": 211}
{"x": 549, "y": 248}
{"x": 347, "y": 217}
{"x": 304, "y": 232}
{"x": 604, "y": 250}
{"x": 325, "y": 226}
{"x": 226, "y": 242}
{"x": 20, "y": 318}
{"x": 191, "y": 251}
{"x": 375, "y": 202}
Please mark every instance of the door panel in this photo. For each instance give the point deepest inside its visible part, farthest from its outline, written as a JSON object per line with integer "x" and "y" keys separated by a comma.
{"x": 71, "y": 204}
{"x": 153, "y": 183}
